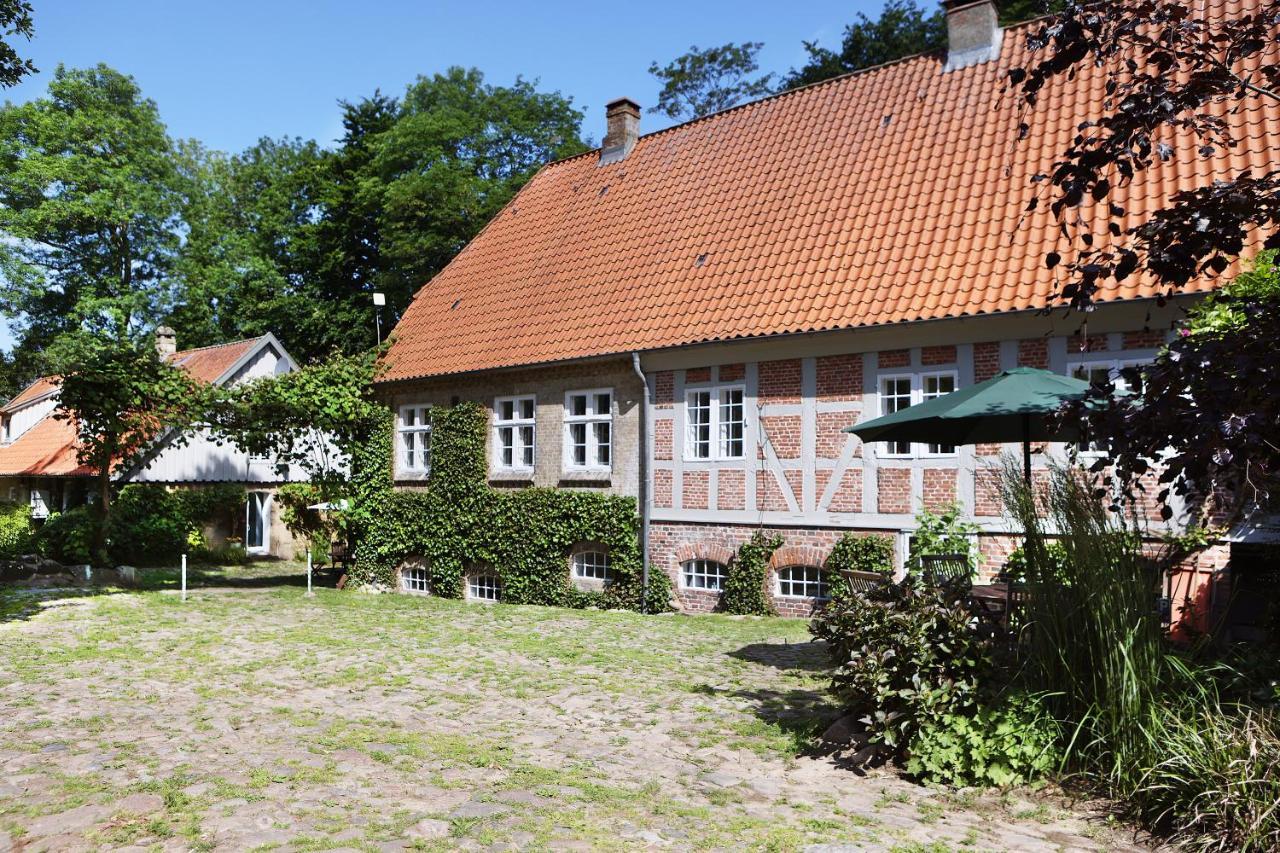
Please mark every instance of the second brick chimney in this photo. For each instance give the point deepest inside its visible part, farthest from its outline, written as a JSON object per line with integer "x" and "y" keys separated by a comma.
{"x": 622, "y": 119}
{"x": 973, "y": 32}
{"x": 166, "y": 341}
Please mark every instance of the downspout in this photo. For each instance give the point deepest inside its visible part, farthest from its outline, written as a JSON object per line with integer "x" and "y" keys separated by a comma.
{"x": 643, "y": 491}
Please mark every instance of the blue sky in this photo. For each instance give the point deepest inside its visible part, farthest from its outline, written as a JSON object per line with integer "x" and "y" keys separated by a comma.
{"x": 227, "y": 72}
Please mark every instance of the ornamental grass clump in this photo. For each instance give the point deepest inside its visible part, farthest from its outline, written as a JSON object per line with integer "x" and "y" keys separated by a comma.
{"x": 1139, "y": 720}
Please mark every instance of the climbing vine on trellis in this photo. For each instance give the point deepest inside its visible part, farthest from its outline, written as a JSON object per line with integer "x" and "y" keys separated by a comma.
{"x": 458, "y": 524}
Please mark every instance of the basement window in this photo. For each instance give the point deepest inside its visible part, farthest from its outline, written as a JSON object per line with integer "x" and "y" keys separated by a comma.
{"x": 414, "y": 579}
{"x": 703, "y": 574}
{"x": 592, "y": 565}
{"x": 803, "y": 582}
{"x": 484, "y": 588}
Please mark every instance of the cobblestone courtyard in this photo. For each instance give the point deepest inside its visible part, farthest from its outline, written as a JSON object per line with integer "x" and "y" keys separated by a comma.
{"x": 257, "y": 718}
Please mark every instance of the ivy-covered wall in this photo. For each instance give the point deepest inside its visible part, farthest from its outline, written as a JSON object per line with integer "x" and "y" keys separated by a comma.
{"x": 458, "y": 523}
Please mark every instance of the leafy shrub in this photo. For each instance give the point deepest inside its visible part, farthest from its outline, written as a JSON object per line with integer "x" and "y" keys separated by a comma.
{"x": 1055, "y": 557}
{"x": 15, "y": 530}
{"x": 943, "y": 533}
{"x": 856, "y": 553}
{"x": 905, "y": 654}
{"x": 744, "y": 588}
{"x": 67, "y": 536}
{"x": 1011, "y": 740}
{"x": 148, "y": 525}
{"x": 212, "y": 503}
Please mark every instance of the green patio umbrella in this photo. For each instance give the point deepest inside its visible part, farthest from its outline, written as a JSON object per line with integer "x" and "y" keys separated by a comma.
{"x": 1013, "y": 406}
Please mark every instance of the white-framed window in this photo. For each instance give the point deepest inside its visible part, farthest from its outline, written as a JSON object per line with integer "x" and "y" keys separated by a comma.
{"x": 414, "y": 579}
{"x": 703, "y": 574}
{"x": 592, "y": 565}
{"x": 588, "y": 430}
{"x": 513, "y": 431}
{"x": 484, "y": 588}
{"x": 716, "y": 423}
{"x": 895, "y": 395}
{"x": 902, "y": 391}
{"x": 1097, "y": 372}
{"x": 803, "y": 582}
{"x": 415, "y": 438}
{"x": 937, "y": 385}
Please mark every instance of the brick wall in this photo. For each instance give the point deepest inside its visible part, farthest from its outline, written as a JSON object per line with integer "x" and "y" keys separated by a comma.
{"x": 839, "y": 377}
{"x": 769, "y": 493}
{"x": 848, "y": 494}
{"x": 1144, "y": 339}
{"x": 662, "y": 438}
{"x": 1033, "y": 352}
{"x": 986, "y": 360}
{"x": 662, "y": 491}
{"x": 697, "y": 374}
{"x": 893, "y": 490}
{"x": 830, "y": 438}
{"x": 780, "y": 381}
{"x": 892, "y": 358}
{"x": 664, "y": 389}
{"x": 939, "y": 488}
{"x": 940, "y": 354}
{"x": 731, "y": 489}
{"x": 783, "y": 434}
{"x": 671, "y": 544}
{"x": 986, "y": 492}
{"x": 696, "y": 489}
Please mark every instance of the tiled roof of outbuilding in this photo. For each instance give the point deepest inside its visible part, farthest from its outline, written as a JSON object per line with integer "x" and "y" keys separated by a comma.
{"x": 889, "y": 195}
{"x": 48, "y": 448}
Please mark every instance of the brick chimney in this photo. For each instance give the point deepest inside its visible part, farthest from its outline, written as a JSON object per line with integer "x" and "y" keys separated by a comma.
{"x": 974, "y": 34}
{"x": 622, "y": 119}
{"x": 166, "y": 341}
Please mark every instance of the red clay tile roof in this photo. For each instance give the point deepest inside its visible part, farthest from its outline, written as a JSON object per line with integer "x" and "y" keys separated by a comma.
{"x": 889, "y": 195}
{"x": 42, "y": 386}
{"x": 48, "y": 449}
{"x": 209, "y": 363}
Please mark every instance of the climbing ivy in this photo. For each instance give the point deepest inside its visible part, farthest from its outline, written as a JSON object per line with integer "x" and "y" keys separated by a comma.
{"x": 744, "y": 588}
{"x": 457, "y": 523}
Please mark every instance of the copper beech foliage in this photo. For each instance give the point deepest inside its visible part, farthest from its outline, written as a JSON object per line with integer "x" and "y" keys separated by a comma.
{"x": 1171, "y": 72}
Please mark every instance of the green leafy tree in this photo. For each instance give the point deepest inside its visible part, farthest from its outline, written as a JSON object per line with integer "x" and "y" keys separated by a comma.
{"x": 705, "y": 81}
{"x": 89, "y": 207}
{"x": 903, "y": 29}
{"x": 249, "y": 263}
{"x": 120, "y": 396}
{"x": 15, "y": 20}
{"x": 457, "y": 153}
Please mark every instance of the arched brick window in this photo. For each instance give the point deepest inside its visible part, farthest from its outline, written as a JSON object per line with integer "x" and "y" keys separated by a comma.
{"x": 589, "y": 564}
{"x": 412, "y": 578}
{"x": 703, "y": 574}
{"x": 802, "y": 582}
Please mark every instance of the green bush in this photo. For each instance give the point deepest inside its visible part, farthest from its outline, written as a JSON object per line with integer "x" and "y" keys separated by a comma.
{"x": 1055, "y": 564}
{"x": 1010, "y": 740}
{"x": 67, "y": 536}
{"x": 148, "y": 525}
{"x": 16, "y": 537}
{"x": 744, "y": 588}
{"x": 858, "y": 553}
{"x": 942, "y": 533}
{"x": 905, "y": 654}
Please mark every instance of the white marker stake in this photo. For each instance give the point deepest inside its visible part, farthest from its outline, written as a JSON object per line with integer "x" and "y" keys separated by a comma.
{"x": 184, "y": 577}
{"x": 309, "y": 592}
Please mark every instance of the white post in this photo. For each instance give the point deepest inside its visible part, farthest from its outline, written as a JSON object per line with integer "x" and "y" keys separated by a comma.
{"x": 184, "y": 577}
{"x": 309, "y": 592}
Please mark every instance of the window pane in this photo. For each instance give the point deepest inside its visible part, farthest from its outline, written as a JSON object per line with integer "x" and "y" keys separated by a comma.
{"x": 410, "y": 417}
{"x": 937, "y": 386}
{"x": 592, "y": 564}
{"x": 578, "y": 443}
{"x": 526, "y": 446}
{"x": 604, "y": 404}
{"x": 526, "y": 409}
{"x": 578, "y": 405}
{"x": 602, "y": 431}
{"x": 507, "y": 410}
{"x": 699, "y": 413}
{"x": 505, "y": 438}
{"x": 731, "y": 423}
{"x": 895, "y": 395}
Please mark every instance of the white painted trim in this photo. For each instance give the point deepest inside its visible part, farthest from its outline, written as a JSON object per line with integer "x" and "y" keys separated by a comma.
{"x": 593, "y": 417}
{"x": 496, "y": 466}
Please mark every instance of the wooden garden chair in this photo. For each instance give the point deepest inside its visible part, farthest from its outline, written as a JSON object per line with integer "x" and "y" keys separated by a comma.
{"x": 862, "y": 582}
{"x": 947, "y": 569}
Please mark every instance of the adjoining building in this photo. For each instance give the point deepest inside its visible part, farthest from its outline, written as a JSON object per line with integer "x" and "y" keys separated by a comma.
{"x": 39, "y": 467}
{"x": 692, "y": 316}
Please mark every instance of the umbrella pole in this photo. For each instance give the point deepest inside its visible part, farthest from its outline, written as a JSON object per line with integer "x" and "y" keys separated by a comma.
{"x": 1026, "y": 449}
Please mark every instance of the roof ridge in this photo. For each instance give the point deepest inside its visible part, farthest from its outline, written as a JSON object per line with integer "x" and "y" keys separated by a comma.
{"x": 177, "y": 353}
{"x": 773, "y": 96}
